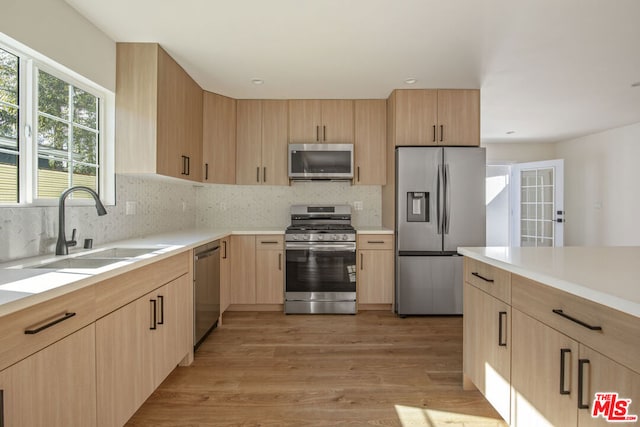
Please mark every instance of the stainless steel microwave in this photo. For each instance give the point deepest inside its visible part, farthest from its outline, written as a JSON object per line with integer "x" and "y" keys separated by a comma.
{"x": 321, "y": 161}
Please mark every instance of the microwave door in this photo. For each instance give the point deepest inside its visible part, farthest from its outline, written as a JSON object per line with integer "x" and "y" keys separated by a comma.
{"x": 323, "y": 161}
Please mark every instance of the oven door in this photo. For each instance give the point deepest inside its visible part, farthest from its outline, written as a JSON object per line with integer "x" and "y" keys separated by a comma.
{"x": 319, "y": 273}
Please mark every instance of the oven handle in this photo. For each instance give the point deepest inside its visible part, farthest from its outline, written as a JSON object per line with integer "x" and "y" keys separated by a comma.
{"x": 323, "y": 247}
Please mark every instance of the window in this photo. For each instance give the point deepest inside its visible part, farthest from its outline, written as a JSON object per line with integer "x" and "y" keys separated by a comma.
{"x": 52, "y": 130}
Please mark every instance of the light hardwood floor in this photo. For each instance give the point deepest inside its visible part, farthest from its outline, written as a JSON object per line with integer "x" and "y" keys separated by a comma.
{"x": 269, "y": 369}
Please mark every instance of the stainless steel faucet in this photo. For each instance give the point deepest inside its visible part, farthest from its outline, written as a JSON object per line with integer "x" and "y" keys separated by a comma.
{"x": 62, "y": 245}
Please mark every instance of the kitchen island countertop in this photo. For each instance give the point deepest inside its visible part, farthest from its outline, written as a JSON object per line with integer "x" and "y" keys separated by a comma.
{"x": 605, "y": 275}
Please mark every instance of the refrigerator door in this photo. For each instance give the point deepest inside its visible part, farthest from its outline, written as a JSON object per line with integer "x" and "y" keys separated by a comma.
{"x": 418, "y": 210}
{"x": 465, "y": 207}
{"x": 429, "y": 285}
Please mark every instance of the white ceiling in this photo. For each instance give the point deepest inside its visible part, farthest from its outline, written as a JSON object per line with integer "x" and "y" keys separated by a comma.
{"x": 548, "y": 69}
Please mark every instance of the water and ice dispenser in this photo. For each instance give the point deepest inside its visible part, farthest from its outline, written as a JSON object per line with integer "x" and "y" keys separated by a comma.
{"x": 417, "y": 206}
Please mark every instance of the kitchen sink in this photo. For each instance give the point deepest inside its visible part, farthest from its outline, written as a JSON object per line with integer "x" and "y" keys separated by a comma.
{"x": 117, "y": 253}
{"x": 78, "y": 262}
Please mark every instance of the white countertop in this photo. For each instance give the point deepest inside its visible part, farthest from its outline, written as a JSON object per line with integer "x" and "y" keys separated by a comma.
{"x": 21, "y": 285}
{"x": 373, "y": 230}
{"x": 606, "y": 275}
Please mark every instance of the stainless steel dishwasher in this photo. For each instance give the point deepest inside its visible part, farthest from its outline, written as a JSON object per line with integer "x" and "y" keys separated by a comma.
{"x": 206, "y": 290}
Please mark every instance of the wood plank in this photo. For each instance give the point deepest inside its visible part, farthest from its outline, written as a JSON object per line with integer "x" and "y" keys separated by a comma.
{"x": 370, "y": 369}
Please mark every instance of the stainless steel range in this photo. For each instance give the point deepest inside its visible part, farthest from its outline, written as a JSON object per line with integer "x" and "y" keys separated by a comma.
{"x": 320, "y": 252}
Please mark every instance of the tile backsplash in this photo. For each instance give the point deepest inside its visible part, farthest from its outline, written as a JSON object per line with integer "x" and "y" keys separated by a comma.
{"x": 163, "y": 205}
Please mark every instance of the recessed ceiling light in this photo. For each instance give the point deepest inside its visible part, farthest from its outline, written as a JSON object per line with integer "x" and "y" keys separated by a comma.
{"x": 257, "y": 81}
{"x": 410, "y": 81}
{"x": 636, "y": 84}
{"x": 510, "y": 132}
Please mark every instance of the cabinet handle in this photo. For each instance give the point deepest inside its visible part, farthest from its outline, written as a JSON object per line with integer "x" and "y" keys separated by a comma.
{"x": 378, "y": 242}
{"x": 441, "y": 133}
{"x": 581, "y": 383}
{"x": 206, "y": 171}
{"x": 482, "y": 277}
{"x": 317, "y": 133}
{"x": 154, "y": 318}
{"x": 161, "y": 302}
{"x": 268, "y": 242}
{"x": 358, "y": 171}
{"x": 224, "y": 246}
{"x": 258, "y": 174}
{"x": 1, "y": 408}
{"x": 188, "y": 165}
{"x": 563, "y": 352}
{"x": 324, "y": 133}
{"x": 573, "y": 319}
{"x": 64, "y": 317}
{"x": 264, "y": 174}
{"x": 280, "y": 262}
{"x": 184, "y": 165}
{"x": 501, "y": 342}
{"x": 361, "y": 261}
{"x": 434, "y": 133}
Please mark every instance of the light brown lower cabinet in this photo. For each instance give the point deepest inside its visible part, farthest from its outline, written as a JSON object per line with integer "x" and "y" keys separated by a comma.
{"x": 225, "y": 274}
{"x": 487, "y": 347}
{"x": 374, "y": 269}
{"x": 137, "y": 346}
{"x": 54, "y": 387}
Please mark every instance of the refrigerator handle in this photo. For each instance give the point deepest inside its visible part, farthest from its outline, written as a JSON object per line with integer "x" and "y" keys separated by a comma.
{"x": 447, "y": 198}
{"x": 440, "y": 200}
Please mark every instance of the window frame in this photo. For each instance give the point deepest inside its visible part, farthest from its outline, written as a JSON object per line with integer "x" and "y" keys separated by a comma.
{"x": 30, "y": 62}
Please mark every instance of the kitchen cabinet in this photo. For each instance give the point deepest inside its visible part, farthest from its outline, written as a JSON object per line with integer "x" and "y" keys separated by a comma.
{"x": 320, "y": 121}
{"x": 138, "y": 345}
{"x": 370, "y": 138}
{"x": 487, "y": 347}
{"x": 218, "y": 139}
{"x": 257, "y": 269}
{"x": 375, "y": 267}
{"x": 54, "y": 387}
{"x": 158, "y": 114}
{"x": 435, "y": 117}
{"x": 262, "y": 142}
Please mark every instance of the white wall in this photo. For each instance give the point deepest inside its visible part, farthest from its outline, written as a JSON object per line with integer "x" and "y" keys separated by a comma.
{"x": 519, "y": 152}
{"x": 56, "y": 30}
{"x": 602, "y": 195}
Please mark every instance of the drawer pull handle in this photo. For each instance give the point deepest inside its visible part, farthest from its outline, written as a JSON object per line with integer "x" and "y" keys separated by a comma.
{"x": 563, "y": 352}
{"x": 161, "y": 301}
{"x": 1, "y": 408}
{"x": 50, "y": 324}
{"x": 573, "y": 319}
{"x": 154, "y": 315}
{"x": 482, "y": 277}
{"x": 268, "y": 242}
{"x": 581, "y": 383}
{"x": 501, "y": 342}
{"x": 379, "y": 242}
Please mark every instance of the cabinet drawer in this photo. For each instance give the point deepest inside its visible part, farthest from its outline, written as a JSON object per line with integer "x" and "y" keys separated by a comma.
{"x": 618, "y": 338}
{"x": 492, "y": 280}
{"x": 269, "y": 242}
{"x": 46, "y": 323}
{"x": 118, "y": 291}
{"x": 375, "y": 241}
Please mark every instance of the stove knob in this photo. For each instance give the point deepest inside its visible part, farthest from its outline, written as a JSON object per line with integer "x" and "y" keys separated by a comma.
{"x": 345, "y": 237}
{"x": 320, "y": 236}
{"x": 295, "y": 237}
{"x": 306, "y": 237}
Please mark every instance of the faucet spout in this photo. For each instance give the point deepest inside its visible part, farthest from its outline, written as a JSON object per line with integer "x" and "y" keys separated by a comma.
{"x": 62, "y": 245}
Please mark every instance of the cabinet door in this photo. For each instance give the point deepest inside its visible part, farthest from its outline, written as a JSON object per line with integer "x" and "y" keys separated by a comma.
{"x": 243, "y": 269}
{"x": 249, "y": 142}
{"x": 305, "y": 116}
{"x": 274, "y": 142}
{"x": 370, "y": 137}
{"x": 487, "y": 347}
{"x": 269, "y": 276}
{"x": 219, "y": 139}
{"x": 124, "y": 354}
{"x": 54, "y": 387}
{"x": 416, "y": 116}
{"x": 193, "y": 128}
{"x": 459, "y": 117}
{"x": 225, "y": 275}
{"x": 375, "y": 276}
{"x": 543, "y": 366}
{"x": 337, "y": 121}
{"x": 602, "y": 375}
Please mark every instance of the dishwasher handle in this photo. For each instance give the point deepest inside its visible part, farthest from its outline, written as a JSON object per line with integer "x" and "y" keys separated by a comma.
{"x": 206, "y": 254}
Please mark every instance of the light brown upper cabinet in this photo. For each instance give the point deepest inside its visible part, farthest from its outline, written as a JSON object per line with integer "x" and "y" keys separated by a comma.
{"x": 219, "y": 139}
{"x": 158, "y": 114}
{"x": 435, "y": 117}
{"x": 261, "y": 144}
{"x": 319, "y": 121}
{"x": 370, "y": 138}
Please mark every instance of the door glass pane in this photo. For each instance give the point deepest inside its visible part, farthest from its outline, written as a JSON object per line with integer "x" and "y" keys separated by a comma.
{"x": 537, "y": 206}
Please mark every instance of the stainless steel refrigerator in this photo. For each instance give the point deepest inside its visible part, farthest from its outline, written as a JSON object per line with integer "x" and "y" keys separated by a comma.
{"x": 440, "y": 205}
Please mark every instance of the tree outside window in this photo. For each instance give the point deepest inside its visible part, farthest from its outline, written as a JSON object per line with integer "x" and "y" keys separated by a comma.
{"x": 9, "y": 119}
